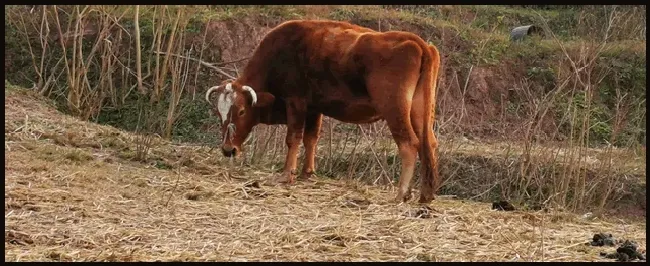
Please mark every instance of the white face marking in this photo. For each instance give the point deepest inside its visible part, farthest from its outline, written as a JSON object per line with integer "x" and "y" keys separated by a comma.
{"x": 224, "y": 103}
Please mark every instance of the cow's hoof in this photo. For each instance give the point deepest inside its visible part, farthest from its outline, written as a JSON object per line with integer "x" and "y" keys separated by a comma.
{"x": 426, "y": 200}
{"x": 403, "y": 197}
{"x": 306, "y": 176}
{"x": 399, "y": 199}
{"x": 286, "y": 178}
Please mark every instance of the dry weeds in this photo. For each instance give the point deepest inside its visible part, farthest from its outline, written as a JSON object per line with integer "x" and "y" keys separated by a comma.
{"x": 96, "y": 206}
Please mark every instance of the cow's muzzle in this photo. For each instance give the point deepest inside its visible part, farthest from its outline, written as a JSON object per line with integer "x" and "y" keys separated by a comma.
{"x": 229, "y": 151}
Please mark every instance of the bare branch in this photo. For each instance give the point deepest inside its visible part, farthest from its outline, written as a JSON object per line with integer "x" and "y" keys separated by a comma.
{"x": 170, "y": 44}
{"x": 202, "y": 63}
{"x": 138, "y": 56}
{"x": 234, "y": 61}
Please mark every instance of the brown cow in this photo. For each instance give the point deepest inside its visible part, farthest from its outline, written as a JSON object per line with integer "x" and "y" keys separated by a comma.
{"x": 305, "y": 69}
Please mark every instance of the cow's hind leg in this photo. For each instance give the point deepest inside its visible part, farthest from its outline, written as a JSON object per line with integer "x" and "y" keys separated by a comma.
{"x": 408, "y": 155}
{"x": 395, "y": 109}
{"x": 310, "y": 140}
{"x": 396, "y": 113}
{"x": 417, "y": 120}
{"x": 391, "y": 86}
{"x": 407, "y": 144}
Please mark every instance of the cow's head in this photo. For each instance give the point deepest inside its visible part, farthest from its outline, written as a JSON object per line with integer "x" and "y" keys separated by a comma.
{"x": 237, "y": 106}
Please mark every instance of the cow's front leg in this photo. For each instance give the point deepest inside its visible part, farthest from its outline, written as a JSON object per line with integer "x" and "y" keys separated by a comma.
{"x": 310, "y": 139}
{"x": 296, "y": 113}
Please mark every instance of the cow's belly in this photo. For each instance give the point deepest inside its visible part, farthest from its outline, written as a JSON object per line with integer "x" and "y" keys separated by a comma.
{"x": 356, "y": 111}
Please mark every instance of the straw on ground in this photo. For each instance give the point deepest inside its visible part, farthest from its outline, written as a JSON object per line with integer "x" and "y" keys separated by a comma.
{"x": 72, "y": 194}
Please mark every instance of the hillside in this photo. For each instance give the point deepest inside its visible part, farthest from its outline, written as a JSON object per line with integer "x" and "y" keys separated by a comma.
{"x": 73, "y": 192}
{"x": 490, "y": 87}
{"x": 112, "y": 153}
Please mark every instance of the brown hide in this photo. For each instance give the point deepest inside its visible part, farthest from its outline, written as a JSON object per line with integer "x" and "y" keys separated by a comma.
{"x": 305, "y": 69}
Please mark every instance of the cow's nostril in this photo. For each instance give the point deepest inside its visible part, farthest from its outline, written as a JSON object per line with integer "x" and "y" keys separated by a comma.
{"x": 228, "y": 153}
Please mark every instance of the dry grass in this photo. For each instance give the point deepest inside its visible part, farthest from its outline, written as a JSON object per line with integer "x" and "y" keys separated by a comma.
{"x": 69, "y": 196}
{"x": 624, "y": 159}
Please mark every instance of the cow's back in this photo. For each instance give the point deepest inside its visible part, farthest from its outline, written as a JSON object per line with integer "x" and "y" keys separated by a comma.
{"x": 323, "y": 62}
{"x": 312, "y": 55}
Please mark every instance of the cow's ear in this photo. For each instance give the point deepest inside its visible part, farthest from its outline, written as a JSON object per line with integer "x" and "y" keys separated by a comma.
{"x": 264, "y": 99}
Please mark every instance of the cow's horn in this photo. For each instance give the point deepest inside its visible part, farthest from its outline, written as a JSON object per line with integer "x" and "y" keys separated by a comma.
{"x": 252, "y": 92}
{"x": 207, "y": 94}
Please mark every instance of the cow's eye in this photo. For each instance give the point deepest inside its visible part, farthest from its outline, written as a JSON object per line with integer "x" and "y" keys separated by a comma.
{"x": 241, "y": 112}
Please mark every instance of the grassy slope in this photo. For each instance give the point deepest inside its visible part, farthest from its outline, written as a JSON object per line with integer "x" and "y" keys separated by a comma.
{"x": 72, "y": 193}
{"x": 473, "y": 167}
{"x": 478, "y": 36}
{"x": 474, "y": 36}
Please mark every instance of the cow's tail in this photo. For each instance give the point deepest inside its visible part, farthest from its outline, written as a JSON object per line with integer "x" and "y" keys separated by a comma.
{"x": 429, "y": 179}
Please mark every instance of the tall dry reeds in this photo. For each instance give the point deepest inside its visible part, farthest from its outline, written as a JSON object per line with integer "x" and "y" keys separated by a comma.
{"x": 98, "y": 56}
{"x": 574, "y": 185}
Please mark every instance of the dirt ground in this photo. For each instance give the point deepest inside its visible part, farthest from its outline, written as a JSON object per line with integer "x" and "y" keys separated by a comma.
{"x": 73, "y": 193}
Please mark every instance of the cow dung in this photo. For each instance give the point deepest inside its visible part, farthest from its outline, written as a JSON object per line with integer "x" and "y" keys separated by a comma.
{"x": 603, "y": 239}
{"x": 626, "y": 252}
{"x": 502, "y": 206}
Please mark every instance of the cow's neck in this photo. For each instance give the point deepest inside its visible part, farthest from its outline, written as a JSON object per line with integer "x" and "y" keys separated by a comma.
{"x": 273, "y": 115}
{"x": 255, "y": 75}
{"x": 266, "y": 117}
{"x": 257, "y": 69}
